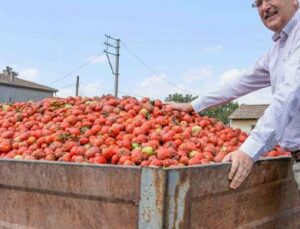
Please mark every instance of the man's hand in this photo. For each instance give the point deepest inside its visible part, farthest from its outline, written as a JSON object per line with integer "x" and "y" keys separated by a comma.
{"x": 187, "y": 107}
{"x": 240, "y": 168}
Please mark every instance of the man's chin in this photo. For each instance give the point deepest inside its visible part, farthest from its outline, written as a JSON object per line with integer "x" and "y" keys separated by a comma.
{"x": 273, "y": 27}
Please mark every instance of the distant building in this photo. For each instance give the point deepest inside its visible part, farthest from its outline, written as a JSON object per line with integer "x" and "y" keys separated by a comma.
{"x": 246, "y": 116}
{"x": 14, "y": 89}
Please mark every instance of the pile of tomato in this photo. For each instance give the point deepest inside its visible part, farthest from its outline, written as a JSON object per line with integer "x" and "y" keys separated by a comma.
{"x": 109, "y": 130}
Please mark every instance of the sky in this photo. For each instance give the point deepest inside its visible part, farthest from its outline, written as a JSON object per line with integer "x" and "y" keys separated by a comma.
{"x": 167, "y": 46}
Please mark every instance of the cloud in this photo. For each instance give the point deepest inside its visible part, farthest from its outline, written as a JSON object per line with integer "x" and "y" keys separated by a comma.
{"x": 198, "y": 74}
{"x": 66, "y": 92}
{"x": 199, "y": 81}
{"x": 89, "y": 90}
{"x": 231, "y": 74}
{"x": 160, "y": 86}
{"x": 98, "y": 59}
{"x": 94, "y": 89}
{"x": 156, "y": 87}
{"x": 30, "y": 74}
{"x": 262, "y": 96}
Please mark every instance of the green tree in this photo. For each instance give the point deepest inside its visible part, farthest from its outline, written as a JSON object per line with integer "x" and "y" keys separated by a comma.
{"x": 179, "y": 98}
{"x": 220, "y": 112}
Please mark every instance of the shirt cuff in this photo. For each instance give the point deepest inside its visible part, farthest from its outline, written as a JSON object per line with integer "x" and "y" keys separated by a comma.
{"x": 196, "y": 104}
{"x": 252, "y": 148}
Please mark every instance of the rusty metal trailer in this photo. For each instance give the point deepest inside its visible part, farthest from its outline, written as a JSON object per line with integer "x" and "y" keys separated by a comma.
{"x": 66, "y": 195}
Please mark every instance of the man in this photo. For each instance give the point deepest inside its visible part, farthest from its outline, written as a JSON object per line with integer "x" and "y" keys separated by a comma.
{"x": 278, "y": 68}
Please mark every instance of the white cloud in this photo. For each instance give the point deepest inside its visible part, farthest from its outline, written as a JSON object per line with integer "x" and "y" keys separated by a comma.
{"x": 231, "y": 74}
{"x": 196, "y": 82}
{"x": 160, "y": 86}
{"x": 66, "y": 92}
{"x": 98, "y": 59}
{"x": 89, "y": 90}
{"x": 94, "y": 89}
{"x": 262, "y": 96}
{"x": 156, "y": 87}
{"x": 30, "y": 74}
{"x": 198, "y": 74}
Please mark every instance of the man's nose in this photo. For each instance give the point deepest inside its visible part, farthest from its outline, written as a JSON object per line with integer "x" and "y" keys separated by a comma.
{"x": 265, "y": 5}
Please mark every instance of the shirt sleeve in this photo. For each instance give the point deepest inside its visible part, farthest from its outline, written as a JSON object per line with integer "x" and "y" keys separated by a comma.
{"x": 256, "y": 78}
{"x": 284, "y": 105}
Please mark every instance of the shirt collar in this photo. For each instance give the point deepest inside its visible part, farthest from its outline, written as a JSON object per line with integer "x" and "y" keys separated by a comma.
{"x": 287, "y": 29}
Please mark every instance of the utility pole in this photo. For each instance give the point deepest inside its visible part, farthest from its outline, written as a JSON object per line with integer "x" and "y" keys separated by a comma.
{"x": 77, "y": 86}
{"x": 116, "y": 55}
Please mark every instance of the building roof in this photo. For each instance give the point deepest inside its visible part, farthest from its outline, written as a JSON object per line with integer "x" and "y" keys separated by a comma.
{"x": 246, "y": 111}
{"x": 17, "y": 82}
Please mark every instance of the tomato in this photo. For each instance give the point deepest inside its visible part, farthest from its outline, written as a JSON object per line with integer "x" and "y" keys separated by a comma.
{"x": 5, "y": 146}
{"x": 164, "y": 153}
{"x": 219, "y": 157}
{"x": 156, "y": 162}
{"x": 184, "y": 160}
{"x": 145, "y": 163}
{"x": 71, "y": 119}
{"x": 31, "y": 140}
{"x": 124, "y": 158}
{"x": 273, "y": 153}
{"x": 83, "y": 140}
{"x": 7, "y": 134}
{"x": 91, "y": 152}
{"x": 38, "y": 154}
{"x": 194, "y": 161}
{"x": 115, "y": 159}
{"x": 136, "y": 155}
{"x": 124, "y": 131}
{"x": 108, "y": 153}
{"x": 128, "y": 162}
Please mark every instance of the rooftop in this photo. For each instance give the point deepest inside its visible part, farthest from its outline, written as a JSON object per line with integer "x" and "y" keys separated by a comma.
{"x": 246, "y": 111}
{"x": 9, "y": 78}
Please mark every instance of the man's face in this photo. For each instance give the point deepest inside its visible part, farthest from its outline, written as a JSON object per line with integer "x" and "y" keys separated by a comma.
{"x": 275, "y": 14}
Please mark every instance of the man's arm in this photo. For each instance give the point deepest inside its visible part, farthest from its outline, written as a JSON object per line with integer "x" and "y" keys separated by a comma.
{"x": 283, "y": 107}
{"x": 270, "y": 127}
{"x": 255, "y": 78}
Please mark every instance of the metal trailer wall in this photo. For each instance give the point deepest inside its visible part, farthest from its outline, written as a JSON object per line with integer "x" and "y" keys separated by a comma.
{"x": 200, "y": 197}
{"x": 66, "y": 195}
{"x": 17, "y": 94}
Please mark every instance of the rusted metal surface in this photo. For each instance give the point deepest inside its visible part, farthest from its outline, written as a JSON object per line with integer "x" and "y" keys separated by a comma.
{"x": 152, "y": 200}
{"x": 52, "y": 195}
{"x": 268, "y": 196}
{"x": 178, "y": 199}
{"x": 61, "y": 195}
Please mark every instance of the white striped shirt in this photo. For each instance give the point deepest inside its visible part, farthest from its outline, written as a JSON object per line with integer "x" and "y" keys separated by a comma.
{"x": 280, "y": 69}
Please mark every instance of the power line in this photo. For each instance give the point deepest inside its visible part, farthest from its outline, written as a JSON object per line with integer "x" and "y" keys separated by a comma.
{"x": 123, "y": 92}
{"x": 76, "y": 69}
{"x": 151, "y": 70}
{"x": 73, "y": 84}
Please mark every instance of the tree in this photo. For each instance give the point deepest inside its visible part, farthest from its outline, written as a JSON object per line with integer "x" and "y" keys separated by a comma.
{"x": 220, "y": 112}
{"x": 179, "y": 98}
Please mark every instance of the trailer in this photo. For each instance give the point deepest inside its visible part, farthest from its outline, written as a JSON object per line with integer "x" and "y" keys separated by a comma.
{"x": 39, "y": 194}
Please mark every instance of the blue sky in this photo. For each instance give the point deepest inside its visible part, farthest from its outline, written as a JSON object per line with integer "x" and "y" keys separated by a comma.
{"x": 195, "y": 44}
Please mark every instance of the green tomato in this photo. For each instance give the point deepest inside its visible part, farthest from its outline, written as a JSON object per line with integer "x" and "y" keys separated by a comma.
{"x": 148, "y": 150}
